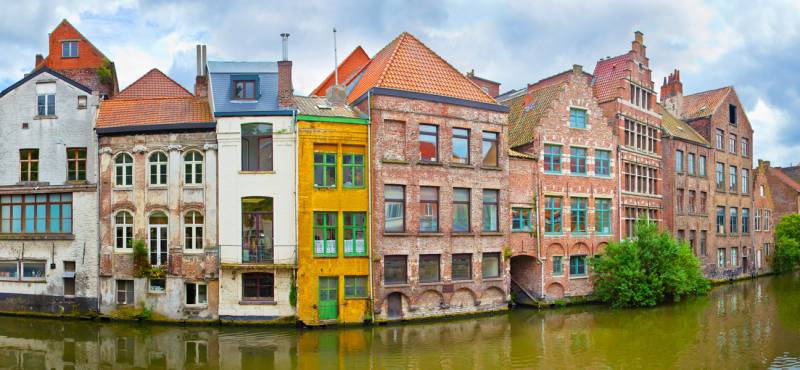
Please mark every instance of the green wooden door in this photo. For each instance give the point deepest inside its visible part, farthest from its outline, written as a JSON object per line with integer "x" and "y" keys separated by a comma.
{"x": 328, "y": 298}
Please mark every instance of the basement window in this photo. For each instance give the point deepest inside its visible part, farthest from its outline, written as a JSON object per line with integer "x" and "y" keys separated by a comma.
{"x": 196, "y": 294}
{"x": 69, "y": 278}
{"x": 157, "y": 286}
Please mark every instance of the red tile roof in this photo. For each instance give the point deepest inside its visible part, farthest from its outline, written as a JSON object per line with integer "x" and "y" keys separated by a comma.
{"x": 704, "y": 103}
{"x": 526, "y": 111}
{"x": 607, "y": 74}
{"x": 153, "y": 99}
{"x": 348, "y": 69}
{"x": 778, "y": 174}
{"x": 408, "y": 64}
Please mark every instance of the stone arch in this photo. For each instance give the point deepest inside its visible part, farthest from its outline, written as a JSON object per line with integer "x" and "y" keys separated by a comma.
{"x": 579, "y": 249}
{"x": 463, "y": 297}
{"x": 555, "y": 291}
{"x": 555, "y": 249}
{"x": 429, "y": 300}
{"x": 493, "y": 296}
{"x": 600, "y": 249}
{"x": 523, "y": 272}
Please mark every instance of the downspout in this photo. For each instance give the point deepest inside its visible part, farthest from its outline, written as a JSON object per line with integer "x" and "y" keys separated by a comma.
{"x": 539, "y": 234}
{"x": 369, "y": 196}
{"x": 296, "y": 205}
{"x": 619, "y": 193}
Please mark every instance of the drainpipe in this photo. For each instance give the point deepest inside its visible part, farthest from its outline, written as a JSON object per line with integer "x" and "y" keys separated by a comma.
{"x": 539, "y": 235}
{"x": 619, "y": 192}
{"x": 99, "y": 207}
{"x": 369, "y": 195}
{"x": 296, "y": 192}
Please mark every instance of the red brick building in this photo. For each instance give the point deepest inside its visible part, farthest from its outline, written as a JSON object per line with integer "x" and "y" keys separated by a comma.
{"x": 523, "y": 241}
{"x": 74, "y": 56}
{"x": 624, "y": 89}
{"x": 719, "y": 117}
{"x": 785, "y": 191}
{"x": 687, "y": 184}
{"x": 763, "y": 227}
{"x": 559, "y": 121}
{"x": 440, "y": 216}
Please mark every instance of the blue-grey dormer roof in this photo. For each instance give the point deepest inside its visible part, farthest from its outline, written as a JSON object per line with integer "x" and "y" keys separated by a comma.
{"x": 222, "y": 75}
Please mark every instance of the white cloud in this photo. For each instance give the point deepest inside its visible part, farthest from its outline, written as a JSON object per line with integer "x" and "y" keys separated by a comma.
{"x": 769, "y": 123}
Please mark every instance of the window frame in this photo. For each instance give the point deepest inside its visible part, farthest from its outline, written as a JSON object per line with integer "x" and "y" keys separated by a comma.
{"x": 701, "y": 167}
{"x": 28, "y": 159}
{"x": 193, "y": 233}
{"x": 325, "y": 227}
{"x": 578, "y": 265}
{"x": 197, "y": 294}
{"x": 461, "y": 257}
{"x": 354, "y": 229}
{"x": 52, "y": 214}
{"x": 428, "y": 134}
{"x": 733, "y": 225}
{"x": 577, "y": 161}
{"x": 556, "y": 215}
{"x": 326, "y": 165}
{"x": 123, "y": 170}
{"x": 157, "y": 169}
{"x": 395, "y": 201}
{"x": 352, "y": 282}
{"x": 126, "y": 229}
{"x": 193, "y": 168}
{"x": 575, "y": 119}
{"x": 353, "y": 168}
{"x": 396, "y": 258}
{"x": 499, "y": 262}
{"x": 257, "y": 278}
{"x": 603, "y": 164}
{"x": 552, "y": 158}
{"x": 74, "y": 162}
{"x": 745, "y": 216}
{"x": 129, "y": 294}
{"x": 519, "y": 222}
{"x": 558, "y": 266}
{"x": 493, "y": 138}
{"x": 69, "y": 49}
{"x": 161, "y": 253}
{"x": 598, "y": 216}
{"x": 244, "y": 83}
{"x": 679, "y": 161}
{"x": 457, "y": 137}
{"x": 486, "y": 207}
{"x": 424, "y": 260}
{"x": 459, "y": 203}
{"x": 690, "y": 164}
{"x": 46, "y": 105}
{"x": 578, "y": 214}
{"x": 431, "y": 205}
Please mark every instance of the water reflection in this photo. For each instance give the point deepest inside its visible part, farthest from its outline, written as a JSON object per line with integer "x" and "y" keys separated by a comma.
{"x": 747, "y": 324}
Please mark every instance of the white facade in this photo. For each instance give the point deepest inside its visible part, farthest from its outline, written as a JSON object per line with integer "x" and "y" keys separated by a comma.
{"x": 28, "y": 239}
{"x": 235, "y": 184}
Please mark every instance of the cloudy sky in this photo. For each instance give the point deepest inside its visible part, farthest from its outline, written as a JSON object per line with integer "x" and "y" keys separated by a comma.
{"x": 751, "y": 45}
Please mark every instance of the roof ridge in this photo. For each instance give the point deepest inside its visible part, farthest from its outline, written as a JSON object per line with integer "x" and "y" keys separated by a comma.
{"x": 149, "y": 73}
{"x": 396, "y": 42}
{"x": 710, "y": 91}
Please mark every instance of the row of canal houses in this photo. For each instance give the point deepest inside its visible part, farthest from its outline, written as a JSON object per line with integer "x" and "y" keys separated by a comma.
{"x": 399, "y": 189}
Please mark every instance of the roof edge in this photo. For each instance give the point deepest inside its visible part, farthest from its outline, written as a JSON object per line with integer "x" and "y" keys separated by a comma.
{"x": 40, "y": 71}
{"x": 161, "y": 127}
{"x": 432, "y": 98}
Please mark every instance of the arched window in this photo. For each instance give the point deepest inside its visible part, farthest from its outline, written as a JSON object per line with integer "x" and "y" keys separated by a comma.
{"x": 123, "y": 230}
{"x": 257, "y": 147}
{"x": 257, "y": 228}
{"x": 158, "y": 168}
{"x": 193, "y": 168}
{"x": 193, "y": 225}
{"x": 157, "y": 238}
{"x": 123, "y": 170}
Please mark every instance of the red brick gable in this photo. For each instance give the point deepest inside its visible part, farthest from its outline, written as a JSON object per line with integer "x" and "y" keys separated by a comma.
{"x": 88, "y": 55}
{"x": 154, "y": 84}
{"x": 348, "y": 69}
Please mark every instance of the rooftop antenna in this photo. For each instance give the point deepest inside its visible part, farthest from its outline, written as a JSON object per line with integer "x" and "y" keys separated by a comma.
{"x": 335, "y": 58}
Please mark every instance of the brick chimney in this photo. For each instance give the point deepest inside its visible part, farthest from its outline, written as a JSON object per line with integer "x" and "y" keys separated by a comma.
{"x": 638, "y": 43}
{"x": 39, "y": 60}
{"x": 672, "y": 93}
{"x": 285, "y": 89}
{"x": 201, "y": 80}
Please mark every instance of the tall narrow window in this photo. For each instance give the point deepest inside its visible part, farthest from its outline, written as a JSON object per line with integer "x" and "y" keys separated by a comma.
{"x": 679, "y": 161}
{"x": 602, "y": 163}
{"x": 123, "y": 170}
{"x": 721, "y": 257}
{"x": 757, "y": 220}
{"x": 193, "y": 230}
{"x": 703, "y": 201}
{"x": 193, "y": 168}
{"x": 46, "y": 104}
{"x": 732, "y": 178}
{"x": 690, "y": 163}
{"x": 552, "y": 215}
{"x": 257, "y": 147}
{"x": 577, "y": 161}
{"x": 745, "y": 147}
{"x": 428, "y": 209}
{"x": 679, "y": 201}
{"x": 577, "y": 265}
{"x": 558, "y": 266}
{"x": 578, "y": 215}
{"x": 734, "y": 224}
{"x": 720, "y": 220}
{"x": 69, "y": 49}
{"x": 745, "y": 180}
{"x": 29, "y": 164}
{"x": 734, "y": 256}
{"x": 521, "y": 219}
{"x": 355, "y": 234}
{"x": 602, "y": 214}
{"x": 490, "y": 210}
{"x": 158, "y": 168}
{"x": 703, "y": 238}
{"x": 325, "y": 170}
{"x": 353, "y": 170}
{"x": 577, "y": 118}
{"x": 394, "y": 199}
{"x": 429, "y": 143}
{"x": 460, "y": 146}
{"x": 552, "y": 158}
{"x": 325, "y": 241}
{"x": 490, "y": 149}
{"x": 257, "y": 230}
{"x": 701, "y": 167}
{"x": 692, "y": 198}
{"x": 157, "y": 238}
{"x": 123, "y": 230}
{"x": 258, "y": 286}
{"x": 745, "y": 220}
{"x": 732, "y": 114}
{"x": 490, "y": 265}
{"x": 720, "y": 139}
{"x": 461, "y": 210}
{"x": 125, "y": 292}
{"x": 732, "y": 143}
{"x": 720, "y": 176}
{"x": 76, "y": 164}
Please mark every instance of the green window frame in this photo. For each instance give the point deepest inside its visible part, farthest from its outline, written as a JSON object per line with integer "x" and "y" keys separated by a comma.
{"x": 577, "y": 118}
{"x": 521, "y": 219}
{"x": 353, "y": 171}
{"x": 577, "y": 265}
{"x": 552, "y": 216}
{"x": 324, "y": 170}
{"x": 355, "y": 234}
{"x": 602, "y": 163}
{"x": 577, "y": 160}
{"x": 325, "y": 238}
{"x": 577, "y": 210}
{"x": 355, "y": 287}
{"x": 558, "y": 267}
{"x": 552, "y": 158}
{"x": 602, "y": 216}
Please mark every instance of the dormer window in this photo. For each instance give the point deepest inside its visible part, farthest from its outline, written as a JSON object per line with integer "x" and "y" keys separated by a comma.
{"x": 244, "y": 90}
{"x": 69, "y": 49}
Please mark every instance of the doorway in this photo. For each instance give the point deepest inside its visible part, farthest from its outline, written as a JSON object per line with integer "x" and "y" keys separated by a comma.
{"x": 395, "y": 309}
{"x": 328, "y": 298}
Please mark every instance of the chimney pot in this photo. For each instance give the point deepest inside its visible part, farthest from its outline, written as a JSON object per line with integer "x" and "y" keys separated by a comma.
{"x": 577, "y": 68}
{"x": 639, "y": 37}
{"x": 285, "y": 44}
{"x": 39, "y": 60}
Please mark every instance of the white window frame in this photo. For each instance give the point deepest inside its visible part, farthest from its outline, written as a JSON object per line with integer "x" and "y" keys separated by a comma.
{"x": 150, "y": 286}
{"x": 162, "y": 239}
{"x": 190, "y": 242}
{"x": 126, "y": 228}
{"x": 197, "y": 285}
{"x": 161, "y": 168}
{"x": 117, "y": 291}
{"x": 125, "y": 168}
{"x": 16, "y": 264}
{"x": 22, "y": 270}
{"x": 192, "y": 167}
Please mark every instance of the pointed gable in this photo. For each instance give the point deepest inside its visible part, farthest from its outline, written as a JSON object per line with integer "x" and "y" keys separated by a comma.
{"x": 677, "y": 128}
{"x": 608, "y": 76}
{"x": 88, "y": 56}
{"x": 526, "y": 111}
{"x": 409, "y": 65}
{"x": 154, "y": 84}
{"x": 348, "y": 69}
{"x": 703, "y": 104}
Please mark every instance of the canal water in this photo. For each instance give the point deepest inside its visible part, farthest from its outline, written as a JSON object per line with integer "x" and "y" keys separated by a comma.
{"x": 748, "y": 324}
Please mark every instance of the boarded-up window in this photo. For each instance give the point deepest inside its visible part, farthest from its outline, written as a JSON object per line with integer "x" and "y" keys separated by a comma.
{"x": 394, "y": 136}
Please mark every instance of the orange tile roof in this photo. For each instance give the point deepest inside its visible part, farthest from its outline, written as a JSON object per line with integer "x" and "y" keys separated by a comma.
{"x": 780, "y": 175}
{"x": 526, "y": 111}
{"x": 704, "y": 103}
{"x": 408, "y": 64}
{"x": 607, "y": 74}
{"x": 348, "y": 68}
{"x": 153, "y": 99}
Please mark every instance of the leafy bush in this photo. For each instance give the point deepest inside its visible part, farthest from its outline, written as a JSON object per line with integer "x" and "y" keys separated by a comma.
{"x": 787, "y": 245}
{"x": 104, "y": 73}
{"x": 648, "y": 270}
{"x": 141, "y": 265}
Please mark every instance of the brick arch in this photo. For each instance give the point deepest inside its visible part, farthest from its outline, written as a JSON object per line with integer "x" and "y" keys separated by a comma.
{"x": 406, "y": 298}
{"x": 555, "y": 249}
{"x": 555, "y": 290}
{"x": 493, "y": 295}
{"x": 600, "y": 248}
{"x": 579, "y": 248}
{"x": 429, "y": 299}
{"x": 463, "y": 297}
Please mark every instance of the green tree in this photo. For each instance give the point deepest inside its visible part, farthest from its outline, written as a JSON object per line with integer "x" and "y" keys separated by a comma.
{"x": 787, "y": 244}
{"x": 648, "y": 270}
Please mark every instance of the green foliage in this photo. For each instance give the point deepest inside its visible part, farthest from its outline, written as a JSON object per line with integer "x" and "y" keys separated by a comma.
{"x": 156, "y": 272}
{"x": 507, "y": 254}
{"x": 141, "y": 265}
{"x": 293, "y": 292}
{"x": 104, "y": 74}
{"x": 648, "y": 270}
{"x": 787, "y": 246}
{"x": 144, "y": 314}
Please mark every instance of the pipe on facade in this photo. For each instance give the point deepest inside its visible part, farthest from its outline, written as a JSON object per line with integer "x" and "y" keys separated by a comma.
{"x": 369, "y": 195}
{"x": 539, "y": 235}
{"x": 296, "y": 200}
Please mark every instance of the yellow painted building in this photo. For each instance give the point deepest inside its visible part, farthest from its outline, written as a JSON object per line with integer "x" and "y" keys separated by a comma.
{"x": 333, "y": 282}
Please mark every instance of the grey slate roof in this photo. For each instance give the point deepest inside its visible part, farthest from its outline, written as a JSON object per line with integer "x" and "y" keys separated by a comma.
{"x": 311, "y": 105}
{"x": 220, "y": 78}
